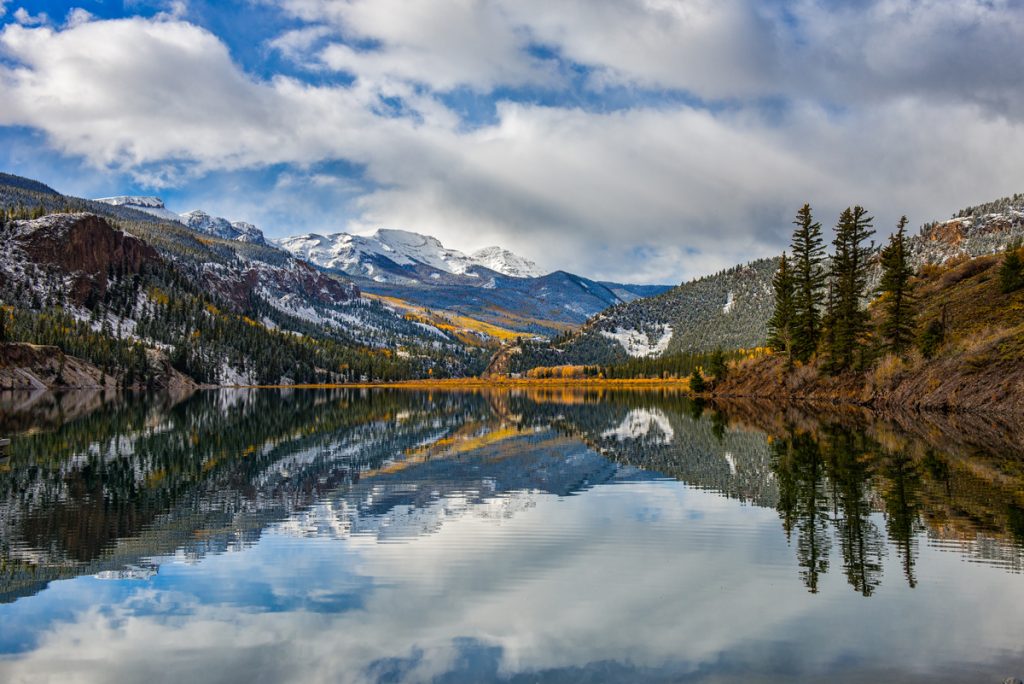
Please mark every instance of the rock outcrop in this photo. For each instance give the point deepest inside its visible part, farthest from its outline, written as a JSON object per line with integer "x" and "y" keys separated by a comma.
{"x": 85, "y": 247}
{"x": 36, "y": 367}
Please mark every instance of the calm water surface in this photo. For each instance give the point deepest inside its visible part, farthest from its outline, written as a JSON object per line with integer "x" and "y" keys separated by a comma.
{"x": 313, "y": 536}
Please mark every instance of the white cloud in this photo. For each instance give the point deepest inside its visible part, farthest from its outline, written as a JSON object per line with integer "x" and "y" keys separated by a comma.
{"x": 849, "y": 53}
{"x": 129, "y": 92}
{"x": 297, "y": 44}
{"x": 656, "y": 193}
{"x": 77, "y": 16}
{"x": 442, "y": 44}
{"x": 22, "y": 16}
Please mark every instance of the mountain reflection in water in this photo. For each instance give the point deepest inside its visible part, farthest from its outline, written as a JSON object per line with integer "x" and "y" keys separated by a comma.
{"x": 677, "y": 541}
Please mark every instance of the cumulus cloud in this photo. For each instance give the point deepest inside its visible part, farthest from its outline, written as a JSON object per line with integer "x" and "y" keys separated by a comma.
{"x": 76, "y": 16}
{"x": 23, "y": 17}
{"x": 818, "y": 108}
{"x": 130, "y": 92}
{"x": 714, "y": 49}
{"x": 442, "y": 44}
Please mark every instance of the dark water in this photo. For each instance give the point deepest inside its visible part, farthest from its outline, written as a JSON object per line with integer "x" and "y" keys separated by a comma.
{"x": 312, "y": 536}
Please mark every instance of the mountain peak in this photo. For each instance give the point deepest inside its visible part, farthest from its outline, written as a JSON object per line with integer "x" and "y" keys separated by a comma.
{"x": 146, "y": 204}
{"x": 133, "y": 201}
{"x": 503, "y": 261}
{"x": 200, "y": 221}
{"x": 368, "y": 256}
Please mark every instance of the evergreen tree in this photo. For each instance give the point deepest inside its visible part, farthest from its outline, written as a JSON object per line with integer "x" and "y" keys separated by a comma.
{"x": 808, "y": 275}
{"x": 1011, "y": 270}
{"x": 849, "y": 279}
{"x": 781, "y": 324}
{"x": 897, "y": 326}
{"x": 697, "y": 384}
{"x": 717, "y": 366}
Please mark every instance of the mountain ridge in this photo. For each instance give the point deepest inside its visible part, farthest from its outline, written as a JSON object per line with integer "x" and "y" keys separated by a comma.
{"x": 385, "y": 256}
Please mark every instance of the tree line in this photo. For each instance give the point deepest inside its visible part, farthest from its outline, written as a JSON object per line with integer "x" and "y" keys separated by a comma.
{"x": 820, "y": 300}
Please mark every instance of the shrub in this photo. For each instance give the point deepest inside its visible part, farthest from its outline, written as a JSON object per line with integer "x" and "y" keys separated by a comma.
{"x": 886, "y": 370}
{"x": 1011, "y": 271}
{"x": 931, "y": 338}
{"x": 717, "y": 366}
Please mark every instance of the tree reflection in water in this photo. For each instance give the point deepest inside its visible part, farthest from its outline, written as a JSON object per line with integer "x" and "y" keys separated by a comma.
{"x": 113, "y": 483}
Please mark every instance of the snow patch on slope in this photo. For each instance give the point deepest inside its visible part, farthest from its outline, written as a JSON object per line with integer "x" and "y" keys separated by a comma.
{"x": 639, "y": 343}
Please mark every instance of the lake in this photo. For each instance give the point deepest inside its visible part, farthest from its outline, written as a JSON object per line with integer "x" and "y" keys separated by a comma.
{"x": 559, "y": 536}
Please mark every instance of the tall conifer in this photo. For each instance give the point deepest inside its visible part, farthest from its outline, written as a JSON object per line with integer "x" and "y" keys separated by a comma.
{"x": 898, "y": 320}
{"x": 849, "y": 277}
{"x": 780, "y": 326}
{"x": 808, "y": 275}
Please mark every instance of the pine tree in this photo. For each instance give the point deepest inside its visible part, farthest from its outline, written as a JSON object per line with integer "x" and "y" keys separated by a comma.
{"x": 697, "y": 384}
{"x": 898, "y": 322}
{"x": 808, "y": 275}
{"x": 717, "y": 366}
{"x": 849, "y": 278}
{"x": 1011, "y": 270}
{"x": 781, "y": 324}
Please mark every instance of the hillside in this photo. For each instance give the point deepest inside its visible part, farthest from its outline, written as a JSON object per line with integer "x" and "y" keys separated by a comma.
{"x": 730, "y": 309}
{"x": 975, "y": 366}
{"x": 111, "y": 283}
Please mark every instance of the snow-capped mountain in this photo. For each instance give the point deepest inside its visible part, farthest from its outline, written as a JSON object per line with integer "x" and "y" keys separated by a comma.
{"x": 150, "y": 205}
{"x": 376, "y": 256}
{"x": 506, "y": 262}
{"x": 197, "y": 220}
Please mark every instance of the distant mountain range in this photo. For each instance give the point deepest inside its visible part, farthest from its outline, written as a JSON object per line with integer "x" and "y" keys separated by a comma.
{"x": 492, "y": 285}
{"x": 417, "y": 273}
{"x": 436, "y": 309}
{"x": 198, "y": 220}
{"x": 117, "y": 279}
{"x": 393, "y": 256}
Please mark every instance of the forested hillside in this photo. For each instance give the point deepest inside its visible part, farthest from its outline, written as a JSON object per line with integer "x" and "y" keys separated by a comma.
{"x": 731, "y": 309}
{"x": 124, "y": 289}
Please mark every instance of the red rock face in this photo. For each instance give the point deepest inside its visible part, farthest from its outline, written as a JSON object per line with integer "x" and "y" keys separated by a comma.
{"x": 298, "y": 278}
{"x": 87, "y": 247}
{"x": 954, "y": 232}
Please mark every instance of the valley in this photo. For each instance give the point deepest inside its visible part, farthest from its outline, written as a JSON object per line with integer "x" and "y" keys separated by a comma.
{"x": 137, "y": 296}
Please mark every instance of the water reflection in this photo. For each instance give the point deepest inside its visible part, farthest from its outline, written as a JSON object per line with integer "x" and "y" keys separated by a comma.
{"x": 549, "y": 536}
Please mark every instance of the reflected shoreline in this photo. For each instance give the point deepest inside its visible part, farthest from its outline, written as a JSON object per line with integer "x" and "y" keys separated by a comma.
{"x": 162, "y": 475}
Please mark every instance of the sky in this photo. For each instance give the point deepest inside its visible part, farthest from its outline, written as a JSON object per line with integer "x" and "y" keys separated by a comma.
{"x": 644, "y": 141}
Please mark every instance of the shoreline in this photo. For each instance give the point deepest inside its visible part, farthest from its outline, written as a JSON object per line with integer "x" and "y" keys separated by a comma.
{"x": 486, "y": 383}
{"x": 773, "y": 392}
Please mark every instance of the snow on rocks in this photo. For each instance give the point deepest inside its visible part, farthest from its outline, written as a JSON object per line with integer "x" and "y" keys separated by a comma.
{"x": 149, "y": 205}
{"x": 639, "y": 343}
{"x": 357, "y": 255}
